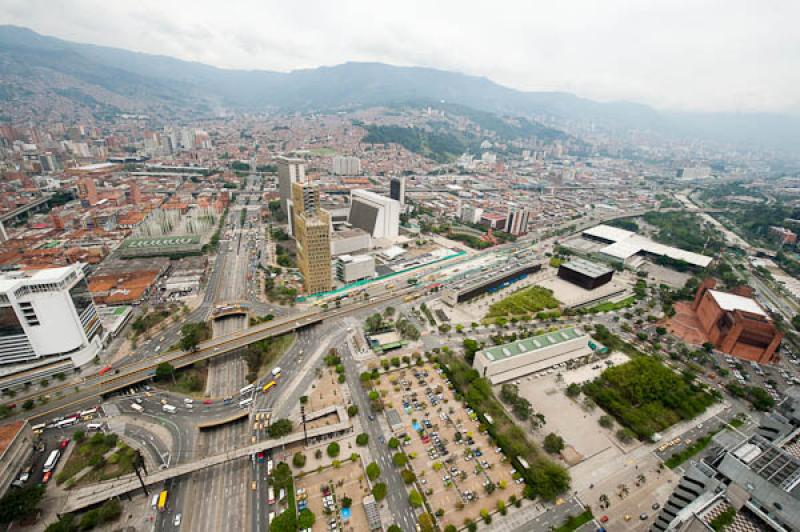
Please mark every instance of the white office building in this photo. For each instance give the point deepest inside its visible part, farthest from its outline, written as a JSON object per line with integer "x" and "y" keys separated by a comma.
{"x": 351, "y": 268}
{"x": 346, "y": 165}
{"x": 471, "y": 214}
{"x": 48, "y": 315}
{"x": 517, "y": 222}
{"x": 289, "y": 171}
{"x": 377, "y": 215}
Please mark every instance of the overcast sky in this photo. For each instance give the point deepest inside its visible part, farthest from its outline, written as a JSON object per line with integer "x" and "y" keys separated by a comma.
{"x": 726, "y": 55}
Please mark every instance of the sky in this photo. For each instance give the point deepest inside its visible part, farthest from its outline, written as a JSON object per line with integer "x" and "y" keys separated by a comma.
{"x": 726, "y": 55}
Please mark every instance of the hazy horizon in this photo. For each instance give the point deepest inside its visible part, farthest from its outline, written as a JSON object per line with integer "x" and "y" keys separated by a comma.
{"x": 719, "y": 56}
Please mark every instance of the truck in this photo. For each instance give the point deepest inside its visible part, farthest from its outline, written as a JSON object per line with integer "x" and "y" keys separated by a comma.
{"x": 169, "y": 409}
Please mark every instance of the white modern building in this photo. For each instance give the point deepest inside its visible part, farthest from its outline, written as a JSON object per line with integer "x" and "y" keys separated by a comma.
{"x": 471, "y": 214}
{"x": 503, "y": 363}
{"x": 48, "y": 315}
{"x": 290, "y": 171}
{"x": 630, "y": 249}
{"x": 352, "y": 268}
{"x": 346, "y": 165}
{"x": 377, "y": 215}
{"x": 517, "y": 222}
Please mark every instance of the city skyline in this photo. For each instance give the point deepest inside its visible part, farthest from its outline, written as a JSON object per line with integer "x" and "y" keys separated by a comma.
{"x": 664, "y": 55}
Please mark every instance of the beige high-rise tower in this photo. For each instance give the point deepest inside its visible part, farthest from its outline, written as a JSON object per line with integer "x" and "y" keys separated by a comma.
{"x": 312, "y": 230}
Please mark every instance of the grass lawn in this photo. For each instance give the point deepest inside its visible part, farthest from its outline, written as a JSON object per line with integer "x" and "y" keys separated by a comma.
{"x": 277, "y": 346}
{"x": 86, "y": 454}
{"x": 118, "y": 464}
{"x": 523, "y": 302}
{"x": 575, "y": 522}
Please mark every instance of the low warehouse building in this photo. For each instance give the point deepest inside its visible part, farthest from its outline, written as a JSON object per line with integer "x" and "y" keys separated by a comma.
{"x": 586, "y": 274}
{"x": 511, "y": 361}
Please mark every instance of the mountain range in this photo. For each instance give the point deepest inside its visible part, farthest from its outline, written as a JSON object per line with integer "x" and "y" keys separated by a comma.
{"x": 108, "y": 80}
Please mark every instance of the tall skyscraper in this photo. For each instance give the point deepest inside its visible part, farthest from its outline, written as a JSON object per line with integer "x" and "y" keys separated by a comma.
{"x": 397, "y": 189}
{"x": 312, "y": 230}
{"x": 290, "y": 171}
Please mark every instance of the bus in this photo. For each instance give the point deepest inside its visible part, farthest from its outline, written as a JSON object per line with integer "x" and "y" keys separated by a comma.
{"x": 88, "y": 413}
{"x": 67, "y": 422}
{"x": 244, "y": 403}
{"x": 271, "y": 495}
{"x": 162, "y": 501}
{"x": 268, "y": 385}
{"x": 104, "y": 370}
{"x": 51, "y": 461}
{"x": 247, "y": 389}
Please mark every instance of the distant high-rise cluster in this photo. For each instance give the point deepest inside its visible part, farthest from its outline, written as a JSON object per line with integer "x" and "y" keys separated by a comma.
{"x": 346, "y": 166}
{"x": 290, "y": 170}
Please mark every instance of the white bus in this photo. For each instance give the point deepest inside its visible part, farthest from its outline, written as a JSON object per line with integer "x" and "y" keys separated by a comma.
{"x": 271, "y": 517}
{"x": 87, "y": 413}
{"x": 269, "y": 467}
{"x": 52, "y": 460}
{"x": 247, "y": 389}
{"x": 67, "y": 422}
{"x": 271, "y": 495}
{"x": 244, "y": 403}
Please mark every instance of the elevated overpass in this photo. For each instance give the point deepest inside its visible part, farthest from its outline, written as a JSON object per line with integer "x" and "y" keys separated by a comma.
{"x": 136, "y": 372}
{"x": 236, "y": 308}
{"x": 78, "y": 499}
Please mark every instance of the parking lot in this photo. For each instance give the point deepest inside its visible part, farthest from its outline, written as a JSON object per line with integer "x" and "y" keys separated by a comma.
{"x": 327, "y": 489}
{"x": 457, "y": 468}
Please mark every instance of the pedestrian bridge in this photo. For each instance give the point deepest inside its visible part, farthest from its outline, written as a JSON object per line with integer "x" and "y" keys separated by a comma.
{"x": 78, "y": 499}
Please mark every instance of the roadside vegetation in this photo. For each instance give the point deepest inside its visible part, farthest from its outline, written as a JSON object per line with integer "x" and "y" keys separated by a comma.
{"x": 261, "y": 355}
{"x": 91, "y": 453}
{"x": 544, "y": 478}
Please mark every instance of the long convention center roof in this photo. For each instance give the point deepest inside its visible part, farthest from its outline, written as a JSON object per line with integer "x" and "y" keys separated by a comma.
{"x": 625, "y": 244}
{"x": 534, "y": 343}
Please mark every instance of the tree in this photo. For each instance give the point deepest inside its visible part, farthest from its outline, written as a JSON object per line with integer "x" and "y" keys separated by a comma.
{"x": 299, "y": 460}
{"x": 191, "y": 335}
{"x": 625, "y": 435}
{"x": 379, "y": 491}
{"x": 394, "y": 528}
{"x": 362, "y": 439}
{"x": 306, "y": 519}
{"x": 79, "y": 436}
{"x": 408, "y": 476}
{"x": 415, "y": 499}
{"x": 352, "y": 410}
{"x": 470, "y": 348}
{"x": 347, "y": 502}
{"x": 394, "y": 443}
{"x": 606, "y": 421}
{"x": 280, "y": 428}
{"x": 333, "y": 450}
{"x": 20, "y": 503}
{"x": 426, "y": 522}
{"x": 285, "y": 522}
{"x": 373, "y": 471}
{"x": 573, "y": 390}
{"x": 399, "y": 459}
{"x": 165, "y": 371}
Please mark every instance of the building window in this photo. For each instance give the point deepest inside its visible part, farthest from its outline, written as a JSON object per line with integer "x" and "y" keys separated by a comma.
{"x": 81, "y": 297}
{"x": 9, "y": 323}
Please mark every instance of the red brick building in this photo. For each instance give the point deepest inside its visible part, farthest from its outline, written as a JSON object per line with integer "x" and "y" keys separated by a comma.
{"x": 735, "y": 323}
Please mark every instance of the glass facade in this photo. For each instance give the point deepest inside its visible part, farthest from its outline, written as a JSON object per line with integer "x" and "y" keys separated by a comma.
{"x": 9, "y": 323}
{"x": 81, "y": 297}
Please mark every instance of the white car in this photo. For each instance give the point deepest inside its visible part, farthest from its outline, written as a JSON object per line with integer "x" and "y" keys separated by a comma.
{"x": 177, "y": 520}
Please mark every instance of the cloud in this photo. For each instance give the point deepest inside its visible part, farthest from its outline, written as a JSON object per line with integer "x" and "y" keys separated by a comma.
{"x": 733, "y": 55}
